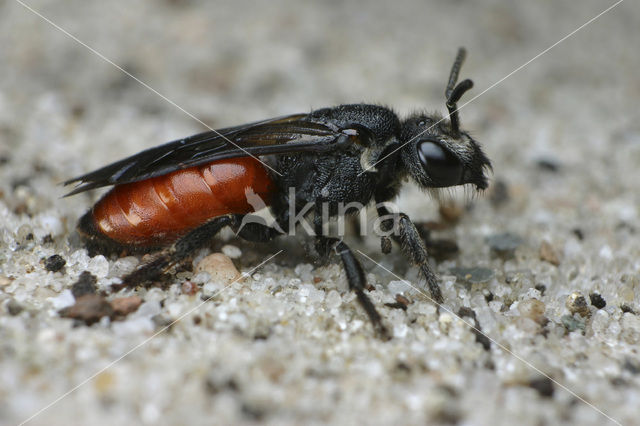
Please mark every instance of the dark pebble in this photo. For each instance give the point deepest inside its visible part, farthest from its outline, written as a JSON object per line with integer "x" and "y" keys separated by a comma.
{"x": 215, "y": 384}
{"x": 632, "y": 366}
{"x": 466, "y": 312}
{"x": 578, "y": 233}
{"x": 541, "y": 288}
{"x": 54, "y": 263}
{"x": 597, "y": 300}
{"x": 618, "y": 382}
{"x": 14, "y": 308}
{"x": 396, "y": 305}
{"x": 262, "y": 331}
{"x": 481, "y": 338}
{"x": 253, "y": 412}
{"x": 500, "y": 193}
{"x": 89, "y": 309}
{"x": 626, "y": 308}
{"x": 504, "y": 244}
{"x": 543, "y": 385}
{"x": 626, "y": 227}
{"x": 403, "y": 366}
{"x": 161, "y": 321}
{"x": 402, "y": 299}
{"x": 86, "y": 284}
{"x": 548, "y": 165}
{"x": 400, "y": 303}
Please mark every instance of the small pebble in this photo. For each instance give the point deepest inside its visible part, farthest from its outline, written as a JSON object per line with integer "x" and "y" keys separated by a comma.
{"x": 189, "y": 288}
{"x": 86, "y": 284}
{"x": 631, "y": 365}
{"x": 47, "y": 239}
{"x": 548, "y": 253}
{"x": 481, "y": 338}
{"x": 103, "y": 382}
{"x": 232, "y": 251}
{"x": 99, "y": 266}
{"x": 488, "y": 295}
{"x": 52, "y": 224}
{"x": 578, "y": 233}
{"x": 548, "y": 164}
{"x": 543, "y": 385}
{"x": 627, "y": 309}
{"x": 474, "y": 275}
{"x": 597, "y": 300}
{"x": 333, "y": 299}
{"x": 123, "y": 306}
{"x": 450, "y": 212}
{"x": 606, "y": 253}
{"x": 149, "y": 309}
{"x": 572, "y": 323}
{"x": 14, "y": 308}
{"x": 88, "y": 308}
{"x": 519, "y": 276}
{"x": 123, "y": 266}
{"x": 533, "y": 309}
{"x": 505, "y": 244}
{"x": 576, "y": 303}
{"x": 499, "y": 193}
{"x": 397, "y": 286}
{"x": 54, "y": 263}
{"x": 400, "y": 303}
{"x": 219, "y": 267}
{"x": 445, "y": 319}
{"x": 63, "y": 300}
{"x": 24, "y": 234}
{"x": 403, "y": 300}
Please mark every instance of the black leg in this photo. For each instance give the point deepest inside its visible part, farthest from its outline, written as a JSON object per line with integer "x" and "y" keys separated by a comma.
{"x": 198, "y": 238}
{"x": 357, "y": 282}
{"x": 254, "y": 231}
{"x": 323, "y": 244}
{"x": 355, "y": 275}
{"x": 413, "y": 247}
{"x": 178, "y": 252}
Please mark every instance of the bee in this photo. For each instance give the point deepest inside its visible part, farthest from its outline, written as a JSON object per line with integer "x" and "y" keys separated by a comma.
{"x": 176, "y": 197}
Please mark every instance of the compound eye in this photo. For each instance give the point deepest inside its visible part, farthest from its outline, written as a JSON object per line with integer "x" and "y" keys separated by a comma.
{"x": 441, "y": 166}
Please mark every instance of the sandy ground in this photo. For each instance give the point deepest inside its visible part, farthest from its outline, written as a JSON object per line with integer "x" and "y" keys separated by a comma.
{"x": 290, "y": 344}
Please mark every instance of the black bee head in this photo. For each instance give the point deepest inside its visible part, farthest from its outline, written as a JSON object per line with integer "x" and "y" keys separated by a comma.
{"x": 438, "y": 154}
{"x": 437, "y": 157}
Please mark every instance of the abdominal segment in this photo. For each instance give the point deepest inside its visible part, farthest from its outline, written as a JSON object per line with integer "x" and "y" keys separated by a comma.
{"x": 159, "y": 210}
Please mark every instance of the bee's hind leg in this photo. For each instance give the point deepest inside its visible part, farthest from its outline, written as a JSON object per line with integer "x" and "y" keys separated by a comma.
{"x": 177, "y": 253}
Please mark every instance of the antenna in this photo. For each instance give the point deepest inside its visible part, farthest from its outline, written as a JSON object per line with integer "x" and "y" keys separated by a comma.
{"x": 454, "y": 93}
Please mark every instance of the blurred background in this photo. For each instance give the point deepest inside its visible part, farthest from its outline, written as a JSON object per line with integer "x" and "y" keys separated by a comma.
{"x": 563, "y": 133}
{"x": 233, "y": 62}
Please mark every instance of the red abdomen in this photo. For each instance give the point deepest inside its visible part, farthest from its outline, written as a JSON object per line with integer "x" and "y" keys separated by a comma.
{"x": 159, "y": 210}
